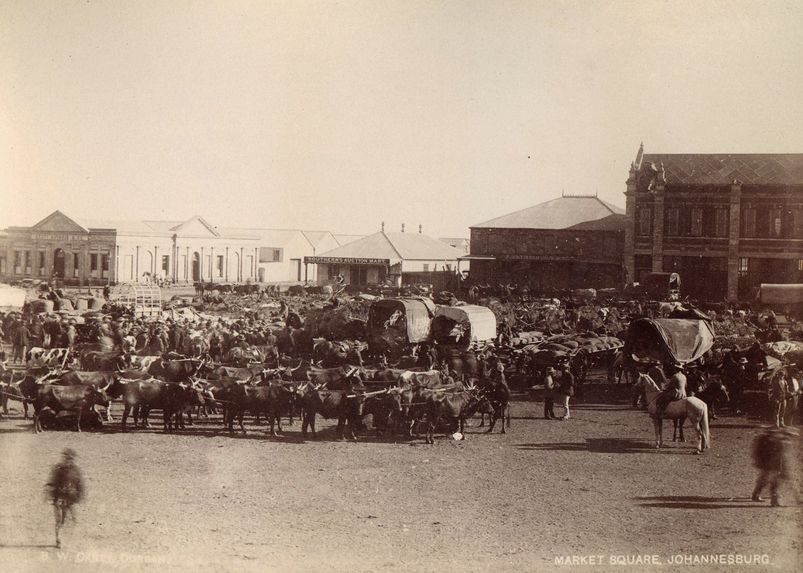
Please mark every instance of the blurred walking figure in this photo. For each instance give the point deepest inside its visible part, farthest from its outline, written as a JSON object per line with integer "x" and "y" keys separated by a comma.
{"x": 770, "y": 457}
{"x": 65, "y": 489}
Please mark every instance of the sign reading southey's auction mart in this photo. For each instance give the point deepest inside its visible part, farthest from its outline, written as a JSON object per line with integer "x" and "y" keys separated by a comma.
{"x": 345, "y": 261}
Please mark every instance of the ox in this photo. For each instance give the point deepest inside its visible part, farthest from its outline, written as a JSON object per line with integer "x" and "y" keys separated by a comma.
{"x": 331, "y": 404}
{"x": 171, "y": 398}
{"x": 80, "y": 399}
{"x": 455, "y": 406}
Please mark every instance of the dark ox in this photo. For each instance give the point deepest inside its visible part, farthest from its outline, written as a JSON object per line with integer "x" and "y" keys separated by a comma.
{"x": 79, "y": 399}
{"x": 172, "y": 398}
{"x": 455, "y": 406}
{"x": 103, "y": 360}
{"x": 331, "y": 404}
{"x": 98, "y": 380}
{"x": 273, "y": 400}
{"x": 181, "y": 370}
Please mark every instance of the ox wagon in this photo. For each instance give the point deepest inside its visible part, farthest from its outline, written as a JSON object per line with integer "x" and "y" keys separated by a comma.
{"x": 466, "y": 327}
{"x": 395, "y": 325}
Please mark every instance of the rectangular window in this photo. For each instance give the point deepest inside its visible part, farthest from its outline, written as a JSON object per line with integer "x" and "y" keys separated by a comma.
{"x": 800, "y": 264}
{"x": 166, "y": 265}
{"x": 28, "y": 262}
{"x": 744, "y": 266}
{"x": 104, "y": 265}
{"x": 697, "y": 222}
{"x": 42, "y": 263}
{"x": 749, "y": 222}
{"x": 798, "y": 224}
{"x": 672, "y": 220}
{"x": 18, "y": 262}
{"x": 775, "y": 223}
{"x": 93, "y": 262}
{"x": 644, "y": 220}
{"x": 277, "y": 255}
{"x": 721, "y": 223}
{"x": 76, "y": 264}
{"x": 426, "y": 267}
{"x": 220, "y": 267}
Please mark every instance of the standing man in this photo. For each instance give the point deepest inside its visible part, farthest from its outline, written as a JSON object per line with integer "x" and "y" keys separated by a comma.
{"x": 19, "y": 338}
{"x": 777, "y": 394}
{"x": 565, "y": 389}
{"x": 65, "y": 489}
{"x": 769, "y": 456}
{"x": 549, "y": 394}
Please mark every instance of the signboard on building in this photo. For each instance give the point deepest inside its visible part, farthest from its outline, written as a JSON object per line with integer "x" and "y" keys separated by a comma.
{"x": 344, "y": 261}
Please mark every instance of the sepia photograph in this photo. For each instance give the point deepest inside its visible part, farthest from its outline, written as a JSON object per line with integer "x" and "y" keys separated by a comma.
{"x": 401, "y": 286}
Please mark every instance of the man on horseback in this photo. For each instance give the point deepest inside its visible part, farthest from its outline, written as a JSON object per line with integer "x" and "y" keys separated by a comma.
{"x": 675, "y": 389}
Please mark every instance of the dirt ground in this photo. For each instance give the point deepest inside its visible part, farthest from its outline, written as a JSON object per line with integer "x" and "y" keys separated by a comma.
{"x": 591, "y": 486}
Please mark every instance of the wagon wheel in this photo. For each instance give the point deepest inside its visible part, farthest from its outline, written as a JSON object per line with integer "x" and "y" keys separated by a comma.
{"x": 580, "y": 366}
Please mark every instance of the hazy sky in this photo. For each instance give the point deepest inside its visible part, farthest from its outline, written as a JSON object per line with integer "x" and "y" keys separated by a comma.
{"x": 339, "y": 115}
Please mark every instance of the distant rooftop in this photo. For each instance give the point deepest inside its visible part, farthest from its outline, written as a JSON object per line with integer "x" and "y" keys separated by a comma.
{"x": 561, "y": 213}
{"x": 724, "y": 168}
{"x": 396, "y": 246}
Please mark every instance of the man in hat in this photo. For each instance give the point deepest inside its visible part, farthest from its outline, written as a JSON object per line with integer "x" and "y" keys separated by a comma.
{"x": 65, "y": 488}
{"x": 675, "y": 389}
{"x": 549, "y": 393}
{"x": 777, "y": 394}
{"x": 770, "y": 457}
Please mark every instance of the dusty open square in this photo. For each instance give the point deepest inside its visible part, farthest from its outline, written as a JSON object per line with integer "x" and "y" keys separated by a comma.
{"x": 203, "y": 500}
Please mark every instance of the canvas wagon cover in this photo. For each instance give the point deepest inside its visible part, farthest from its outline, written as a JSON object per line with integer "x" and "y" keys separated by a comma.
{"x": 11, "y": 297}
{"x": 480, "y": 319}
{"x": 781, "y": 293}
{"x": 662, "y": 339}
{"x": 416, "y": 313}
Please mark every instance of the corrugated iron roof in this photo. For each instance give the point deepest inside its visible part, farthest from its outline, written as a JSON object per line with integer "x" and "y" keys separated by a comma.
{"x": 346, "y": 239}
{"x": 560, "y": 213}
{"x": 615, "y": 222}
{"x": 724, "y": 168}
{"x": 396, "y": 246}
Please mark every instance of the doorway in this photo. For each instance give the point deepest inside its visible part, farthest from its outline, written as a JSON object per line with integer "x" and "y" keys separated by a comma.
{"x": 196, "y": 267}
{"x": 58, "y": 264}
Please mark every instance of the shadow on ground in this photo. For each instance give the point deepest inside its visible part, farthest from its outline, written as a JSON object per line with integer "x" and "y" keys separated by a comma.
{"x": 606, "y": 446}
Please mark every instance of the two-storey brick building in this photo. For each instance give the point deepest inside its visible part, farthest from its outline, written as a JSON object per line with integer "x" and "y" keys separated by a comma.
{"x": 573, "y": 241}
{"x": 725, "y": 222}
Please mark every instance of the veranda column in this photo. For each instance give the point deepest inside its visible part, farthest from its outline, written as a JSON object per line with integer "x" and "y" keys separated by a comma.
{"x": 734, "y": 230}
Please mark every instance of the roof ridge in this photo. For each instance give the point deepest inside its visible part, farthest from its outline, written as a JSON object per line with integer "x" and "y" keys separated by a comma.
{"x": 392, "y": 246}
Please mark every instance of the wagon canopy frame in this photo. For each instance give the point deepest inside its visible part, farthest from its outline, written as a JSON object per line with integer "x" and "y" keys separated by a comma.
{"x": 144, "y": 299}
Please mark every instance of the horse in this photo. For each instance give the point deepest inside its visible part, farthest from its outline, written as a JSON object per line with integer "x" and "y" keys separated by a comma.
{"x": 714, "y": 393}
{"x": 692, "y": 408}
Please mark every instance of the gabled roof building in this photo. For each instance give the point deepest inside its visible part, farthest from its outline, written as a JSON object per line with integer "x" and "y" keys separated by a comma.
{"x": 572, "y": 241}
{"x": 389, "y": 257}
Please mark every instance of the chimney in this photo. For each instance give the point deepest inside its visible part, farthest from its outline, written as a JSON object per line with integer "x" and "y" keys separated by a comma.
{"x": 402, "y": 227}
{"x": 383, "y": 226}
{"x": 419, "y": 228}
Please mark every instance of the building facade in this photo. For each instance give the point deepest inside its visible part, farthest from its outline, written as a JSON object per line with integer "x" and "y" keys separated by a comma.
{"x": 98, "y": 252}
{"x": 397, "y": 258}
{"x": 725, "y": 222}
{"x": 568, "y": 242}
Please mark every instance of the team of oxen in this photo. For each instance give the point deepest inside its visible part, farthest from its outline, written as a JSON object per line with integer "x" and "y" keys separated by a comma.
{"x": 67, "y": 388}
